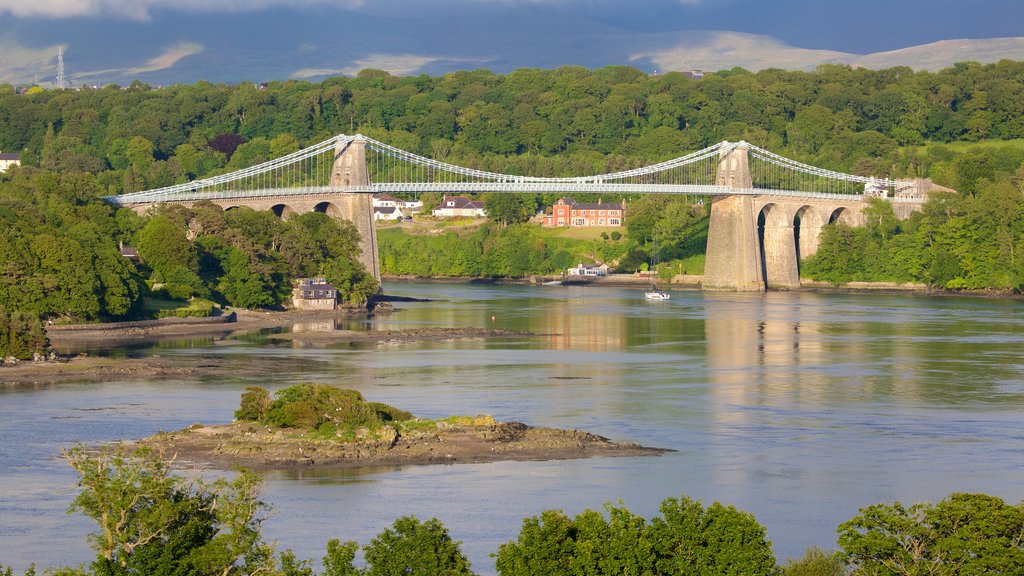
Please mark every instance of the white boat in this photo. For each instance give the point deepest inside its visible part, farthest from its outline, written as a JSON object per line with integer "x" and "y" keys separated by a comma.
{"x": 655, "y": 294}
{"x": 553, "y": 283}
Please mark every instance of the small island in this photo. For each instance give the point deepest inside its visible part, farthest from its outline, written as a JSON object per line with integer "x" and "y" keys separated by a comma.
{"x": 325, "y": 426}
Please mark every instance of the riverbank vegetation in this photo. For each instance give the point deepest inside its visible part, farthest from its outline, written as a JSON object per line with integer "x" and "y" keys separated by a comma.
{"x": 153, "y": 521}
{"x": 676, "y": 226}
{"x": 971, "y": 240}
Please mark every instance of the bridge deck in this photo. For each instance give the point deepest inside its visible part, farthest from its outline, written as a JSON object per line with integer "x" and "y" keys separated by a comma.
{"x": 482, "y": 187}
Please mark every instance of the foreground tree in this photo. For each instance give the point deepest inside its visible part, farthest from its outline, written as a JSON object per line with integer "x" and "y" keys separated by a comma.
{"x": 686, "y": 540}
{"x": 155, "y": 523}
{"x": 963, "y": 535}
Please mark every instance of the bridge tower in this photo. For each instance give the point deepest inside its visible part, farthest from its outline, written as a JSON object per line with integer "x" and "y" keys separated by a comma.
{"x": 350, "y": 170}
{"x": 733, "y": 259}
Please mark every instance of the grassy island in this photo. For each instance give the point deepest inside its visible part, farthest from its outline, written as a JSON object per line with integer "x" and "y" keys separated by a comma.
{"x": 317, "y": 424}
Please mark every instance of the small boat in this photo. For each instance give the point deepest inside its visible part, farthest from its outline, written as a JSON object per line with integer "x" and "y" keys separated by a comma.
{"x": 655, "y": 294}
{"x": 553, "y": 283}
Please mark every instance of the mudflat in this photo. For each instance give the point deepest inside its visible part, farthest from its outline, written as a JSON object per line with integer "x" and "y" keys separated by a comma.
{"x": 95, "y": 368}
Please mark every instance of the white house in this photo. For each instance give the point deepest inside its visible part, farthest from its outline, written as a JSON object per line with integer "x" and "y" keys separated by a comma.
{"x": 387, "y": 213}
{"x": 588, "y": 270}
{"x": 7, "y": 160}
{"x": 389, "y": 201}
{"x": 460, "y": 206}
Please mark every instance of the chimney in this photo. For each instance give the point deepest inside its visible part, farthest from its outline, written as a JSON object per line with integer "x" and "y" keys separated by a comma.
{"x": 598, "y": 199}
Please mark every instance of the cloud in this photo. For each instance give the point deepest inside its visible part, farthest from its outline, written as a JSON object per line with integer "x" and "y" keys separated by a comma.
{"x": 21, "y": 64}
{"x": 168, "y": 59}
{"x": 142, "y": 9}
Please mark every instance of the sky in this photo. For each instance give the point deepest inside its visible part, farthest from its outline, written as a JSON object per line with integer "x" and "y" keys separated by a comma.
{"x": 226, "y": 40}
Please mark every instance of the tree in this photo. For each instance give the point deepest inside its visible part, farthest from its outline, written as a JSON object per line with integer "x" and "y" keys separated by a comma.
{"x": 411, "y": 547}
{"x": 163, "y": 245}
{"x": 687, "y": 540}
{"x": 714, "y": 541}
{"x": 507, "y": 208}
{"x": 964, "y": 534}
{"x": 153, "y": 522}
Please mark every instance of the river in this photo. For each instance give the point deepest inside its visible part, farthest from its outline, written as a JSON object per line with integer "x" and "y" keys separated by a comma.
{"x": 798, "y": 407}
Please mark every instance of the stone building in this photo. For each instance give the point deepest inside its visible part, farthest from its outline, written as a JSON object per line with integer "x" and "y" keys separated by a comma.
{"x": 314, "y": 294}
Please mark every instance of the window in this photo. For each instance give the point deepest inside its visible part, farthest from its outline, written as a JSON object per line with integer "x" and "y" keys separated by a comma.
{"x": 613, "y": 221}
{"x": 600, "y": 222}
{"x": 601, "y": 213}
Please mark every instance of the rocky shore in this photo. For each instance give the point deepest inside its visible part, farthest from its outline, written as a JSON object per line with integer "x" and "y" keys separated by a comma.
{"x": 470, "y": 440}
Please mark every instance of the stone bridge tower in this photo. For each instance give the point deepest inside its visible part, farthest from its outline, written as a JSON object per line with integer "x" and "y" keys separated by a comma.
{"x": 733, "y": 260}
{"x": 350, "y": 170}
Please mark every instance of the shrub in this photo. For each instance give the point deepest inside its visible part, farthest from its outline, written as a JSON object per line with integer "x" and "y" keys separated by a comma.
{"x": 816, "y": 562}
{"x": 312, "y": 405}
{"x": 616, "y": 235}
{"x": 254, "y": 404}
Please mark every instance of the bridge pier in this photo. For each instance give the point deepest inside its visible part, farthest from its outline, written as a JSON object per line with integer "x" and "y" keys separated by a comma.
{"x": 350, "y": 170}
{"x": 733, "y": 259}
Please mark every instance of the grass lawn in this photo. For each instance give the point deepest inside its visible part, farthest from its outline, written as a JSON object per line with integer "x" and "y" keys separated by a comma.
{"x": 159, "y": 307}
{"x": 584, "y": 233}
{"x": 153, "y": 304}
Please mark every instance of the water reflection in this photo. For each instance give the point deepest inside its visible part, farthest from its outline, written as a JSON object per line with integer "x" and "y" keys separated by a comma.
{"x": 798, "y": 407}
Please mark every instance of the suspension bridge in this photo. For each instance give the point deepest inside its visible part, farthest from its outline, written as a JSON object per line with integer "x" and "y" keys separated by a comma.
{"x": 768, "y": 211}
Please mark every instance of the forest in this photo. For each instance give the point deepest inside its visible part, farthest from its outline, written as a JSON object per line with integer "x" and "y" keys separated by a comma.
{"x": 60, "y": 243}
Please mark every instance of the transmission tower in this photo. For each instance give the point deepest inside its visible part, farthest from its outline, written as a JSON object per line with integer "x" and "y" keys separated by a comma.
{"x": 61, "y": 81}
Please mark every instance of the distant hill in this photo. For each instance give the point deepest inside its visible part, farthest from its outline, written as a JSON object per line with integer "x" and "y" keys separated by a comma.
{"x": 716, "y": 50}
{"x": 321, "y": 41}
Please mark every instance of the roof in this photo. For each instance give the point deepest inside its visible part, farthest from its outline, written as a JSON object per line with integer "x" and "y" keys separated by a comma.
{"x": 460, "y": 203}
{"x": 314, "y": 284}
{"x": 384, "y": 197}
{"x": 385, "y": 209}
{"x": 591, "y": 205}
{"x": 10, "y": 156}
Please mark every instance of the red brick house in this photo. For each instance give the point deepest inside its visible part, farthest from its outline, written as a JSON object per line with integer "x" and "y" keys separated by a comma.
{"x": 568, "y": 212}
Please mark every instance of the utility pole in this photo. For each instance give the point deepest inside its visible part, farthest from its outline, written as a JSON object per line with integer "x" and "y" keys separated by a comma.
{"x": 61, "y": 81}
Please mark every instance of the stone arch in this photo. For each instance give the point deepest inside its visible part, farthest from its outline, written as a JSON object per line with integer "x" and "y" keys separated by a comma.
{"x": 778, "y": 247}
{"x": 807, "y": 225}
{"x": 844, "y": 215}
{"x": 231, "y": 207}
{"x": 329, "y": 208}
{"x": 282, "y": 211}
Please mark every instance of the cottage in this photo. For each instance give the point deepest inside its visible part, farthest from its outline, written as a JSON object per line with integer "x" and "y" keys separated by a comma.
{"x": 314, "y": 294}
{"x": 7, "y": 160}
{"x": 568, "y": 212}
{"x": 460, "y": 206}
{"x": 386, "y": 213}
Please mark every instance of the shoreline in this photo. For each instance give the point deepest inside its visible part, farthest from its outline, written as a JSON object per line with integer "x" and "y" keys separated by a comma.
{"x": 693, "y": 283}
